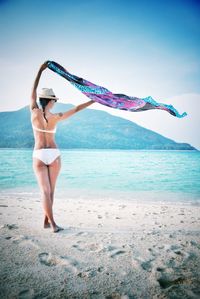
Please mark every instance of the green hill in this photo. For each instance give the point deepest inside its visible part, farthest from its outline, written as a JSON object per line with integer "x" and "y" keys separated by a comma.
{"x": 91, "y": 129}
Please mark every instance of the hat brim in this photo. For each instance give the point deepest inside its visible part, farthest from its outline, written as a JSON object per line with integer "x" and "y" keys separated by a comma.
{"x": 48, "y": 97}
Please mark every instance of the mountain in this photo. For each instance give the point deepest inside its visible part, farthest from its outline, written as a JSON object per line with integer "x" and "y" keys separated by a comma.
{"x": 179, "y": 129}
{"x": 89, "y": 128}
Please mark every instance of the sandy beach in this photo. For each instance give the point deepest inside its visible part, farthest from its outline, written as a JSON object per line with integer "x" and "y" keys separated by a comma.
{"x": 108, "y": 249}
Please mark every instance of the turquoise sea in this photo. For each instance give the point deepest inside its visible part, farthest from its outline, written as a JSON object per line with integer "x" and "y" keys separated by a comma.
{"x": 130, "y": 174}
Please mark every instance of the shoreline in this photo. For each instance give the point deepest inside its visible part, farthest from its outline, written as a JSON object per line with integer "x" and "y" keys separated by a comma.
{"x": 137, "y": 197}
{"x": 108, "y": 249}
{"x": 106, "y": 149}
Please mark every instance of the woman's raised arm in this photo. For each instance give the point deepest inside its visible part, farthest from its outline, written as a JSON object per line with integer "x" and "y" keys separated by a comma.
{"x": 33, "y": 103}
{"x": 64, "y": 115}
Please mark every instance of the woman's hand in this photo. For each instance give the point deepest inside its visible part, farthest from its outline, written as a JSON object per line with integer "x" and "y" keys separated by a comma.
{"x": 44, "y": 66}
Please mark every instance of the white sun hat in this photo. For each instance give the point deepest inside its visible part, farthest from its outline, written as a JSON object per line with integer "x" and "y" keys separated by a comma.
{"x": 47, "y": 93}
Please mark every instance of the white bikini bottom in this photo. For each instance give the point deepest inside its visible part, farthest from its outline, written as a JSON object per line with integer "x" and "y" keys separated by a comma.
{"x": 46, "y": 155}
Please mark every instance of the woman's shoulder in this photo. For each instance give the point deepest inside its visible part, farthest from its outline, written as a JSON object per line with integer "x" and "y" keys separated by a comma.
{"x": 35, "y": 113}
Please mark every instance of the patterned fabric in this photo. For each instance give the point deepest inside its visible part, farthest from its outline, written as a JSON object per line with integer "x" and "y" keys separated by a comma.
{"x": 104, "y": 96}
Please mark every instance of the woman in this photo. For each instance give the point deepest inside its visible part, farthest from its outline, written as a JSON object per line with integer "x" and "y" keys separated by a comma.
{"x": 46, "y": 155}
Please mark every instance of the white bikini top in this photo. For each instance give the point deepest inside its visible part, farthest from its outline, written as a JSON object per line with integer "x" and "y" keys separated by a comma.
{"x": 47, "y": 131}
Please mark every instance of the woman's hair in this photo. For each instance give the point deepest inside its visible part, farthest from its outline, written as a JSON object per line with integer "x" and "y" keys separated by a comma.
{"x": 44, "y": 102}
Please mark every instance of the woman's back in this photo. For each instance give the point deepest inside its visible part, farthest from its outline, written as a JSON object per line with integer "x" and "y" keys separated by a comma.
{"x": 43, "y": 131}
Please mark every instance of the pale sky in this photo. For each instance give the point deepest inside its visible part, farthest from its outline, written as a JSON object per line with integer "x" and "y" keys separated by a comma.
{"x": 138, "y": 48}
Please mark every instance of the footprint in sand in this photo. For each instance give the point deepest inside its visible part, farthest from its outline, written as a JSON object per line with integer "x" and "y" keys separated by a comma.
{"x": 175, "y": 274}
{"x": 122, "y": 206}
{"x": 10, "y": 226}
{"x": 25, "y": 241}
{"x": 95, "y": 247}
{"x": 114, "y": 251}
{"x": 90, "y": 272}
{"x": 81, "y": 234}
{"x": 49, "y": 259}
{"x": 167, "y": 281}
{"x": 146, "y": 265}
{"x": 78, "y": 247}
{"x": 26, "y": 294}
{"x": 195, "y": 244}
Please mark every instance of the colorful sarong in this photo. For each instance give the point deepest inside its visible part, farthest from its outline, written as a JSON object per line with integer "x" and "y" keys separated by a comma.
{"x": 105, "y": 97}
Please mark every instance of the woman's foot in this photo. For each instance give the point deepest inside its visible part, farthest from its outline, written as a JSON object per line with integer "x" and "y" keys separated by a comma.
{"x": 57, "y": 228}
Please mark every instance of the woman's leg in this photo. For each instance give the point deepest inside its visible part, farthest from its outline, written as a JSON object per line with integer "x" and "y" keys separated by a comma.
{"x": 53, "y": 171}
{"x": 41, "y": 172}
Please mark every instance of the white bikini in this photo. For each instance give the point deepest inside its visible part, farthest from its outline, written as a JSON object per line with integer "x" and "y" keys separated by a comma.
{"x": 46, "y": 155}
{"x": 47, "y": 131}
